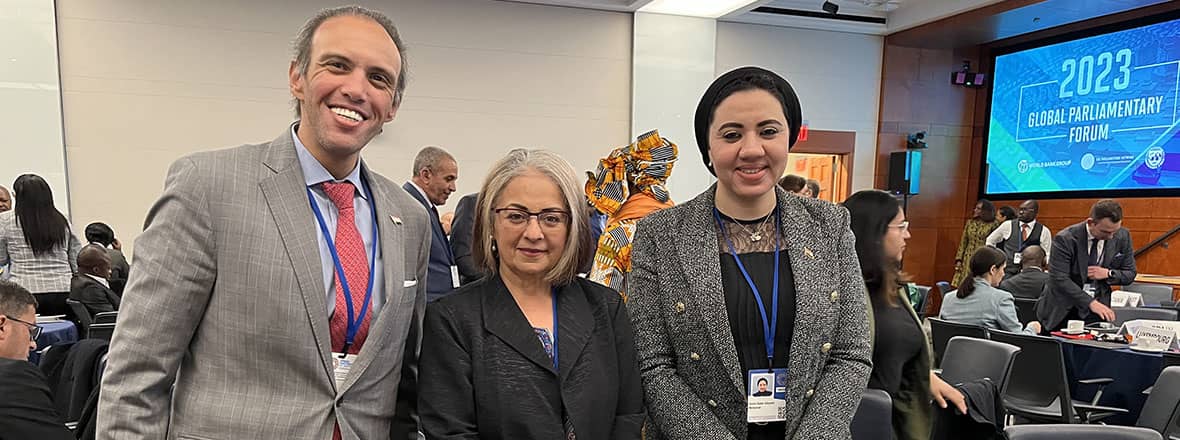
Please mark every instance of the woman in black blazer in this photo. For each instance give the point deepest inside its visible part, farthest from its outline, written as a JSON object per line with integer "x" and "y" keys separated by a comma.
{"x": 530, "y": 351}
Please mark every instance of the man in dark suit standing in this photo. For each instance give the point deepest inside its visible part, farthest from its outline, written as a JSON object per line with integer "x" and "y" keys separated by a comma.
{"x": 435, "y": 174}
{"x": 26, "y": 409}
{"x": 462, "y": 229}
{"x": 89, "y": 285}
{"x": 1088, "y": 258}
{"x": 1031, "y": 280}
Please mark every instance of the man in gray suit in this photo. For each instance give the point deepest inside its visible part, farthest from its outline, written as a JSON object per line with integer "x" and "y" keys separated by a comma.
{"x": 1089, "y": 257}
{"x": 279, "y": 287}
{"x": 1031, "y": 280}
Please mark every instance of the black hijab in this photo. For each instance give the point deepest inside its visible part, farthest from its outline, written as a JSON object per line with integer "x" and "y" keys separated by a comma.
{"x": 741, "y": 79}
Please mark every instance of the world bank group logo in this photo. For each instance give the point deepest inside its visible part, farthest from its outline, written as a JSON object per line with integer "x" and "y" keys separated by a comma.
{"x": 1022, "y": 167}
{"x": 1155, "y": 158}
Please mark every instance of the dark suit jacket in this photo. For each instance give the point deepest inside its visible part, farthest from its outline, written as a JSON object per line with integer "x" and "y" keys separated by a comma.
{"x": 438, "y": 274}
{"x": 488, "y": 376}
{"x": 1067, "y": 274}
{"x": 119, "y": 270}
{"x": 1029, "y": 283}
{"x": 462, "y": 232}
{"x": 96, "y": 297}
{"x": 26, "y": 409}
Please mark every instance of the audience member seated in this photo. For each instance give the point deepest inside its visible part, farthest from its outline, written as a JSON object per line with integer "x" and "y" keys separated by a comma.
{"x": 26, "y": 406}
{"x": 102, "y": 234}
{"x": 89, "y": 286}
{"x": 793, "y": 183}
{"x": 978, "y": 302}
{"x": 35, "y": 240}
{"x": 1030, "y": 282}
{"x": 813, "y": 186}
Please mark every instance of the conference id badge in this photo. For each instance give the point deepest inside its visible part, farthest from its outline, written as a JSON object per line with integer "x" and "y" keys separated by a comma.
{"x": 767, "y": 399}
{"x": 1089, "y": 288}
{"x": 341, "y": 365}
{"x": 1016, "y": 258}
{"x": 455, "y": 276}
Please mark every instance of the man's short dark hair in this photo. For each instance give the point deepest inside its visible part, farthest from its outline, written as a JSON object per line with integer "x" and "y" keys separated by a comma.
{"x": 792, "y": 183}
{"x": 14, "y": 299}
{"x": 100, "y": 233}
{"x": 1032, "y": 256}
{"x": 1107, "y": 208}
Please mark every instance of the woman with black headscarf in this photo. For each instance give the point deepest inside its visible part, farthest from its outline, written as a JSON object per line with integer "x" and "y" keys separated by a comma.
{"x": 747, "y": 283}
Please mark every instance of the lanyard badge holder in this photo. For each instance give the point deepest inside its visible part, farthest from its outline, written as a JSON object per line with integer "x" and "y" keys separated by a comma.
{"x": 766, "y": 399}
{"x": 342, "y": 361}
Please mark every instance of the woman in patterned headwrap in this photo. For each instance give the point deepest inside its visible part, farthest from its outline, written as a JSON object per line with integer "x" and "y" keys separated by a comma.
{"x": 628, "y": 185}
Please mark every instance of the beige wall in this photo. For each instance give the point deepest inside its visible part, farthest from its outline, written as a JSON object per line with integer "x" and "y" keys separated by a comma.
{"x": 146, "y": 81}
{"x": 837, "y": 76}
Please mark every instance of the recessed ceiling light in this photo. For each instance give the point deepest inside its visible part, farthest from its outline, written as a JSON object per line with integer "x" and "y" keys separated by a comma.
{"x": 695, "y": 8}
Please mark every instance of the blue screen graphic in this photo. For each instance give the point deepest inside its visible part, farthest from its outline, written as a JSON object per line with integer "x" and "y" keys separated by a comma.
{"x": 1092, "y": 114}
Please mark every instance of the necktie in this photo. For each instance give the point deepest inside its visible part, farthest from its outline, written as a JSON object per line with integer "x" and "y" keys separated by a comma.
{"x": 1093, "y": 253}
{"x": 1023, "y": 231}
{"x": 351, "y": 250}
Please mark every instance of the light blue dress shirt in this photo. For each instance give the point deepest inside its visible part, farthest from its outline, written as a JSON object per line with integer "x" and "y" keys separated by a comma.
{"x": 314, "y": 173}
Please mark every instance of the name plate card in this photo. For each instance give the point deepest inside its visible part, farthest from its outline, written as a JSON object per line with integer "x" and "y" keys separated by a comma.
{"x": 1154, "y": 339}
{"x": 1120, "y": 298}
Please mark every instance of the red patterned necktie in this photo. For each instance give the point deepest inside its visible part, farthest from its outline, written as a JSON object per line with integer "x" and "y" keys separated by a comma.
{"x": 351, "y": 250}
{"x": 1024, "y": 232}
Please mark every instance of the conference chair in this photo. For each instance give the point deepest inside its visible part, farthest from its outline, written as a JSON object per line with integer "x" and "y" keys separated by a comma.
{"x": 1160, "y": 412}
{"x": 934, "y": 299}
{"x": 873, "y": 419}
{"x": 81, "y": 316}
{"x": 102, "y": 331}
{"x": 1038, "y": 387}
{"x": 1153, "y": 294}
{"x": 106, "y": 317}
{"x": 920, "y": 306}
{"x": 1026, "y": 310}
{"x": 967, "y": 359}
{"x": 941, "y": 332}
{"x": 1079, "y": 432}
{"x": 1124, "y": 314}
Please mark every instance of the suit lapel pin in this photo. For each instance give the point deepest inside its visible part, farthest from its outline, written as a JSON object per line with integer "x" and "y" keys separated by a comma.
{"x": 396, "y": 220}
{"x": 808, "y": 253}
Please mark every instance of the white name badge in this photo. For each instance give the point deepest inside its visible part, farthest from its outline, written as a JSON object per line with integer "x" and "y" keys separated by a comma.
{"x": 455, "y": 276}
{"x": 1089, "y": 289}
{"x": 767, "y": 399}
{"x": 1016, "y": 258}
{"x": 1122, "y": 298}
{"x": 341, "y": 365}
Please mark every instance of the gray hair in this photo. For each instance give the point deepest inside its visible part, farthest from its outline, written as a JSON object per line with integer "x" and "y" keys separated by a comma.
{"x": 551, "y": 165}
{"x": 14, "y": 299}
{"x": 303, "y": 43}
{"x": 430, "y": 158}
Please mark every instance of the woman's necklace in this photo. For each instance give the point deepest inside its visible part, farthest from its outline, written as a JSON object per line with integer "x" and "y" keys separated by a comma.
{"x": 756, "y": 234}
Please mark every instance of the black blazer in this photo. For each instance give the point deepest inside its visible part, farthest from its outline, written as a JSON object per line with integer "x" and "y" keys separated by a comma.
{"x": 1067, "y": 274}
{"x": 462, "y": 232}
{"x": 1029, "y": 283}
{"x": 96, "y": 297}
{"x": 26, "y": 409}
{"x": 484, "y": 374}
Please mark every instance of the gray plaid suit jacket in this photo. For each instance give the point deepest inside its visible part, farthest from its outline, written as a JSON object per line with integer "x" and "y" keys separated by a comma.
{"x": 227, "y": 302}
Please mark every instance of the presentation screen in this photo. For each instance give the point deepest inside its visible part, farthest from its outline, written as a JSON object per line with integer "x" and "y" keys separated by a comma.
{"x": 1088, "y": 117}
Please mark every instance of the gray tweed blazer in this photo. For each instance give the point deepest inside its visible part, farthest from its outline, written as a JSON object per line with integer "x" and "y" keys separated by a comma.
{"x": 691, "y": 376}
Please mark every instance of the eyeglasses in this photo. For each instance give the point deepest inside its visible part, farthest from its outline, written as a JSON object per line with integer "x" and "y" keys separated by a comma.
{"x": 34, "y": 329}
{"x": 547, "y": 219}
{"x": 903, "y": 226}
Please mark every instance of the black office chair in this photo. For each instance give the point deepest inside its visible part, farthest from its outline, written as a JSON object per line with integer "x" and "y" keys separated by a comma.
{"x": 102, "y": 331}
{"x": 81, "y": 316}
{"x": 967, "y": 359}
{"x": 1026, "y": 310}
{"x": 942, "y": 331}
{"x": 1124, "y": 314}
{"x": 1079, "y": 432}
{"x": 106, "y": 317}
{"x": 1153, "y": 294}
{"x": 1039, "y": 384}
{"x": 874, "y": 416}
{"x": 1161, "y": 412}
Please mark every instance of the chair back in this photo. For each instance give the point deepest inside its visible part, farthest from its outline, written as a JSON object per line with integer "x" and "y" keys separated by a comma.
{"x": 967, "y": 359}
{"x": 923, "y": 294}
{"x": 1160, "y": 413}
{"x": 101, "y": 331}
{"x": 1026, "y": 310}
{"x": 934, "y": 299}
{"x": 874, "y": 415}
{"x": 106, "y": 317}
{"x": 81, "y": 316}
{"x": 1153, "y": 294}
{"x": 941, "y": 332}
{"x": 1079, "y": 432}
{"x": 1038, "y": 375}
{"x": 1124, "y": 314}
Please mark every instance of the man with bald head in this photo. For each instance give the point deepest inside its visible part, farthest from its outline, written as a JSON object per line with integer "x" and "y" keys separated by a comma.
{"x": 90, "y": 286}
{"x": 1031, "y": 280}
{"x": 1024, "y": 231}
{"x": 5, "y": 199}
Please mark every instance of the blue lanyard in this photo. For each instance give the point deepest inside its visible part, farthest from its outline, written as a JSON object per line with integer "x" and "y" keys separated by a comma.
{"x": 555, "y": 364}
{"x": 354, "y": 322}
{"x": 769, "y": 327}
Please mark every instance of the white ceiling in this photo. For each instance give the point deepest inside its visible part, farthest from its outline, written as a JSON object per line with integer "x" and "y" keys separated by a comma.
{"x": 898, "y": 14}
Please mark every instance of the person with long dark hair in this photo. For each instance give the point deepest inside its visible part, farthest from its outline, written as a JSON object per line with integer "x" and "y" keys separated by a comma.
{"x": 747, "y": 282}
{"x": 975, "y": 232}
{"x": 901, "y": 352}
{"x": 37, "y": 244}
{"x": 979, "y": 302}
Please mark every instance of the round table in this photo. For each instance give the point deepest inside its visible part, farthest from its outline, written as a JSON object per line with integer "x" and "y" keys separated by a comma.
{"x": 1132, "y": 371}
{"x": 53, "y": 332}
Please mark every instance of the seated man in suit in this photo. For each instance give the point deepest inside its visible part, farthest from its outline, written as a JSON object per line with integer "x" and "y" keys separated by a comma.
{"x": 26, "y": 406}
{"x": 1089, "y": 257}
{"x": 1031, "y": 280}
{"x": 89, "y": 285}
{"x": 435, "y": 174}
{"x": 102, "y": 234}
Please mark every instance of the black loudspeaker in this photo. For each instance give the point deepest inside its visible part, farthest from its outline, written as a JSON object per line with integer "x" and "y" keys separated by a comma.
{"x": 905, "y": 168}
